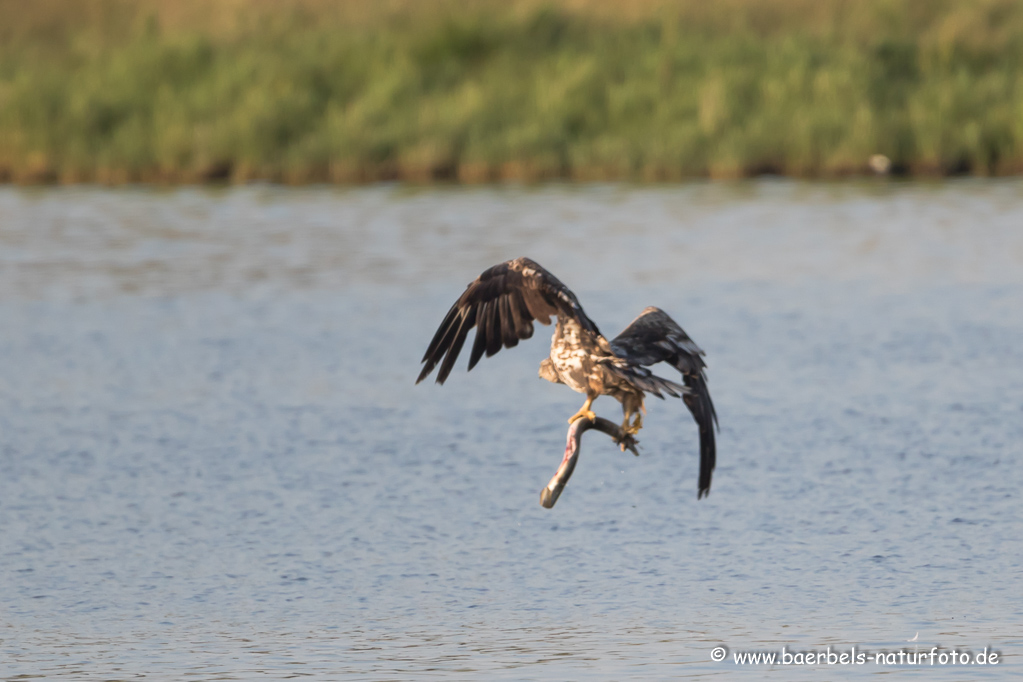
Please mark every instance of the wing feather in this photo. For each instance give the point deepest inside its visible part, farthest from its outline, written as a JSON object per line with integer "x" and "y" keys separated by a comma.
{"x": 502, "y": 304}
{"x": 493, "y": 327}
{"x": 509, "y": 331}
{"x": 443, "y": 331}
{"x": 466, "y": 322}
{"x": 480, "y": 343}
{"x": 654, "y": 337}
{"x": 538, "y": 308}
{"x": 520, "y": 316}
{"x": 702, "y": 409}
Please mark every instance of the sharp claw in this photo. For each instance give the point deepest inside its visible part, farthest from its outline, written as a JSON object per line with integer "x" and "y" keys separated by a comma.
{"x": 633, "y": 428}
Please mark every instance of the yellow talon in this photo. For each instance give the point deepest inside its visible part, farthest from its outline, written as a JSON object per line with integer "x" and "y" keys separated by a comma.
{"x": 636, "y": 425}
{"x": 584, "y": 411}
{"x": 588, "y": 414}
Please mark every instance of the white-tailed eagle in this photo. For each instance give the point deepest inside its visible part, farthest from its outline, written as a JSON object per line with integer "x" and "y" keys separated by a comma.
{"x": 502, "y": 304}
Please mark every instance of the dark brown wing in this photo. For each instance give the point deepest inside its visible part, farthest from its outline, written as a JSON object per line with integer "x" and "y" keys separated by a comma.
{"x": 654, "y": 337}
{"x": 502, "y": 304}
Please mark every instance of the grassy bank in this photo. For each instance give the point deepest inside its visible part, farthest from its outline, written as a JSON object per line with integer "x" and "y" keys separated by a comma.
{"x": 318, "y": 90}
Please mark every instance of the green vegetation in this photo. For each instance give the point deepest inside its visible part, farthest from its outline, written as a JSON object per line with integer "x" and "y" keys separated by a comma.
{"x": 326, "y": 90}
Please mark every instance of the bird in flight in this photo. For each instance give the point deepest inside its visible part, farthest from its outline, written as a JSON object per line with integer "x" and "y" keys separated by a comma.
{"x": 504, "y": 301}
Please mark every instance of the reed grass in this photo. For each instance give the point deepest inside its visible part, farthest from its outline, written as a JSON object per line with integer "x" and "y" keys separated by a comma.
{"x": 424, "y": 90}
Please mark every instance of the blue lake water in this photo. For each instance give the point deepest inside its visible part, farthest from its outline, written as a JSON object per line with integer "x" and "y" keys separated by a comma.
{"x": 215, "y": 464}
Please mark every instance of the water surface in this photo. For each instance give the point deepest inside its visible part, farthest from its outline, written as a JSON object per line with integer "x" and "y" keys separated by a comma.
{"x": 215, "y": 464}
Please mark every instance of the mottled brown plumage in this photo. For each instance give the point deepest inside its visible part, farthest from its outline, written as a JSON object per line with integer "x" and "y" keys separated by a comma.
{"x": 504, "y": 301}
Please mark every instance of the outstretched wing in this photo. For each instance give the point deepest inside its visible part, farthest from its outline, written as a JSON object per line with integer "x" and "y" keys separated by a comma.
{"x": 502, "y": 304}
{"x": 654, "y": 337}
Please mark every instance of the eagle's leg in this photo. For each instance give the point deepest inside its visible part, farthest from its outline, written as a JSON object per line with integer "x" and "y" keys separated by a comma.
{"x": 631, "y": 409}
{"x": 585, "y": 410}
{"x": 637, "y": 424}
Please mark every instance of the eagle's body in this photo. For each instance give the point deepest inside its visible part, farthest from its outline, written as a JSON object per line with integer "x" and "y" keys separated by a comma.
{"x": 502, "y": 304}
{"x": 573, "y": 351}
{"x": 580, "y": 359}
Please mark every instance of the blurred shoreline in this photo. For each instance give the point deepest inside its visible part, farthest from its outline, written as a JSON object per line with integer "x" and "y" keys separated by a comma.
{"x": 311, "y": 91}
